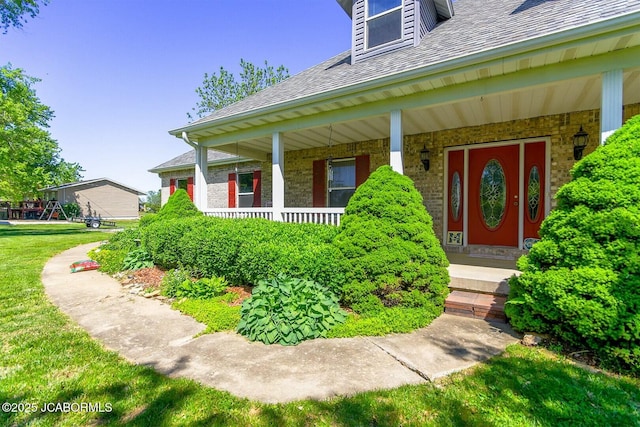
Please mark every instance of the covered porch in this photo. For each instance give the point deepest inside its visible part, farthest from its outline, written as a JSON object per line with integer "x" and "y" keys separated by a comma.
{"x": 509, "y": 97}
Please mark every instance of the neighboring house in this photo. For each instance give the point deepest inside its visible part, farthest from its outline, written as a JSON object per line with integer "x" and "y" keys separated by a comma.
{"x": 232, "y": 181}
{"x": 496, "y": 98}
{"x": 101, "y": 197}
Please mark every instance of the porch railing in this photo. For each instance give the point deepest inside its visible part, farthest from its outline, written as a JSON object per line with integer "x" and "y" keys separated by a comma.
{"x": 266, "y": 213}
{"x": 330, "y": 216}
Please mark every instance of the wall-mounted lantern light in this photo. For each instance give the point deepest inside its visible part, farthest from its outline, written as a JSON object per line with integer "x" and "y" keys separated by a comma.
{"x": 424, "y": 158}
{"x": 580, "y": 140}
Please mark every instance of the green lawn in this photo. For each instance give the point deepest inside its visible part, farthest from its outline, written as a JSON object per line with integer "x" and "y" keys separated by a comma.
{"x": 46, "y": 358}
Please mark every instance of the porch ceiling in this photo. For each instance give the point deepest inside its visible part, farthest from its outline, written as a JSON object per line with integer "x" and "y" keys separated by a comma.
{"x": 526, "y": 85}
{"x": 566, "y": 96}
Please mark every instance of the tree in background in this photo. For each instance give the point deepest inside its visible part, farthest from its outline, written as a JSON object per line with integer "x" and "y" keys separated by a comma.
{"x": 13, "y": 12}
{"x": 219, "y": 90}
{"x": 153, "y": 201}
{"x": 29, "y": 157}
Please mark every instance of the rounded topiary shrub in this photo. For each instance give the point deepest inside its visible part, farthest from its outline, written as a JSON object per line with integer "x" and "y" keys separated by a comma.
{"x": 392, "y": 254}
{"x": 581, "y": 281}
{"x": 179, "y": 205}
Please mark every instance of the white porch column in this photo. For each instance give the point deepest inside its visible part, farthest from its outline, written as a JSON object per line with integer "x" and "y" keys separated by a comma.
{"x": 277, "y": 167}
{"x": 395, "y": 158}
{"x": 611, "y": 108}
{"x": 200, "y": 178}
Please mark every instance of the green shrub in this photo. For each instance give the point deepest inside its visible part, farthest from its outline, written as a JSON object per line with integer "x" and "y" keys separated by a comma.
{"x": 137, "y": 259}
{"x": 288, "y": 311}
{"x": 162, "y": 239}
{"x": 210, "y": 248}
{"x": 215, "y": 313}
{"x": 581, "y": 281}
{"x": 147, "y": 219}
{"x": 111, "y": 260}
{"x": 128, "y": 240}
{"x": 246, "y": 251}
{"x": 71, "y": 209}
{"x": 111, "y": 255}
{"x": 391, "y": 251}
{"x": 179, "y": 205}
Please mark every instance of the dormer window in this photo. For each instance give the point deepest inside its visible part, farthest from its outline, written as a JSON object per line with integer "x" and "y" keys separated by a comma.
{"x": 384, "y": 22}
{"x": 382, "y": 26}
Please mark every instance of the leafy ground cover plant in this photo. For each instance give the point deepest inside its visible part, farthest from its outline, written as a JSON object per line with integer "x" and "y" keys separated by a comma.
{"x": 287, "y": 311}
{"x": 216, "y": 312}
{"x": 581, "y": 281}
{"x": 137, "y": 259}
{"x": 393, "y": 258}
{"x": 179, "y": 284}
{"x": 204, "y": 288}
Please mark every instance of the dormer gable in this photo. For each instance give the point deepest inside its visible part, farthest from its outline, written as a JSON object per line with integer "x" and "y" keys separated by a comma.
{"x": 381, "y": 26}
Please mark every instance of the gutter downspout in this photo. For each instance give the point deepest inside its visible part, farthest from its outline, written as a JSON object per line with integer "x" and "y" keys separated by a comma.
{"x": 186, "y": 139}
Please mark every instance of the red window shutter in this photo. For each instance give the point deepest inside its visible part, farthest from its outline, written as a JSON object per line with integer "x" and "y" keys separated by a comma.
{"x": 319, "y": 183}
{"x": 172, "y": 186}
{"x": 257, "y": 189}
{"x": 362, "y": 169}
{"x": 190, "y": 188}
{"x": 232, "y": 190}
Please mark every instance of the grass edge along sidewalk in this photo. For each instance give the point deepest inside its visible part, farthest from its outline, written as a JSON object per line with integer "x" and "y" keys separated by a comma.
{"x": 47, "y": 362}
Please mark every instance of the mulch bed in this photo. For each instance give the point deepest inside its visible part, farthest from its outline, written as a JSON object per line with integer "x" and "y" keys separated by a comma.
{"x": 150, "y": 279}
{"x": 243, "y": 292}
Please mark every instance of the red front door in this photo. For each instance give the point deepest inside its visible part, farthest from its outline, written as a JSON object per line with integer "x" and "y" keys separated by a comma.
{"x": 493, "y": 195}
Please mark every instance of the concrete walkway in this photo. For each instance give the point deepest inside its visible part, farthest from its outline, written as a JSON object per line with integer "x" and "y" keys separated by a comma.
{"x": 149, "y": 332}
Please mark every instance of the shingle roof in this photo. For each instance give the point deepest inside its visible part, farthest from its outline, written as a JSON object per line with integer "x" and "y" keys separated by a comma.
{"x": 188, "y": 159}
{"x": 477, "y": 26}
{"x": 93, "y": 181}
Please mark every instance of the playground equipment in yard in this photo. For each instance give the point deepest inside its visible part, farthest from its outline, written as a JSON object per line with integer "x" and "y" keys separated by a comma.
{"x": 53, "y": 209}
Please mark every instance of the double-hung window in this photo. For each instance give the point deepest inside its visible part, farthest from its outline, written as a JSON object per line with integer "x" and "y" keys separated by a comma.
{"x": 384, "y": 22}
{"x": 182, "y": 183}
{"x": 245, "y": 190}
{"x": 341, "y": 181}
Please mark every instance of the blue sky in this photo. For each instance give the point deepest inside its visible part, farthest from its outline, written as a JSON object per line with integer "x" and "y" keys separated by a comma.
{"x": 120, "y": 73}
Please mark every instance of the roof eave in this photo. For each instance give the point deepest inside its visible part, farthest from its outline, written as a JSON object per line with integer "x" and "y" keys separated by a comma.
{"x": 221, "y": 162}
{"x": 91, "y": 181}
{"x": 609, "y": 25}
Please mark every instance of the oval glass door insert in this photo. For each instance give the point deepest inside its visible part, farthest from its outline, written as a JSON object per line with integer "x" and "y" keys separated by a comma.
{"x": 493, "y": 194}
{"x": 455, "y": 196}
{"x": 533, "y": 194}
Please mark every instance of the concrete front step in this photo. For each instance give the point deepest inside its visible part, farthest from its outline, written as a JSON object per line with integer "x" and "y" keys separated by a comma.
{"x": 476, "y": 305}
{"x": 485, "y": 280}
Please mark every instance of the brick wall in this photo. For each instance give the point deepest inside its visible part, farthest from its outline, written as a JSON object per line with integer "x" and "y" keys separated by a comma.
{"x": 298, "y": 176}
{"x": 298, "y": 166}
{"x": 217, "y": 181}
{"x": 558, "y": 128}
